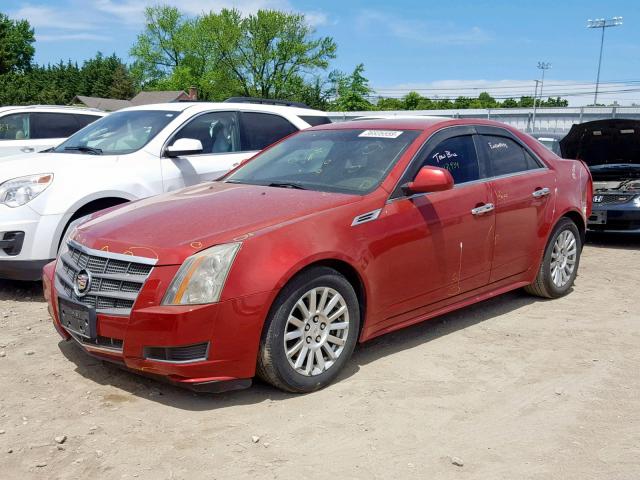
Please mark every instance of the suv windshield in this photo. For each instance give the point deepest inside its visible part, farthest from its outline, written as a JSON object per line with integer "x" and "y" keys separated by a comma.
{"x": 118, "y": 133}
{"x": 348, "y": 161}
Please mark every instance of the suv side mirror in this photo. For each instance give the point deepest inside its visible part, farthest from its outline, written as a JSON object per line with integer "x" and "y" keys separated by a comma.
{"x": 430, "y": 179}
{"x": 183, "y": 146}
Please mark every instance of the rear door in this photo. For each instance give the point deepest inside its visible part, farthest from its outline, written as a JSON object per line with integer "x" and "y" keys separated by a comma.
{"x": 524, "y": 190}
{"x": 442, "y": 241}
{"x": 259, "y": 130}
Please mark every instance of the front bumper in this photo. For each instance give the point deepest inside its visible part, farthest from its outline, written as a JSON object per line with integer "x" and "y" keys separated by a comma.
{"x": 232, "y": 329}
{"x": 27, "y": 240}
{"x": 622, "y": 218}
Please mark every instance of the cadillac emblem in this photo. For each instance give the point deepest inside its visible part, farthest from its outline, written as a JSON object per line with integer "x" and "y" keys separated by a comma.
{"x": 82, "y": 284}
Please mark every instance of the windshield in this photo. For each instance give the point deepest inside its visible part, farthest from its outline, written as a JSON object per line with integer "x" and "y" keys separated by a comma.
{"x": 347, "y": 161}
{"x": 118, "y": 133}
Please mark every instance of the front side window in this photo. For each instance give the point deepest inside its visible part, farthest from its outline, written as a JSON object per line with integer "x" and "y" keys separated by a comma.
{"x": 15, "y": 127}
{"x": 458, "y": 155}
{"x": 53, "y": 125}
{"x": 118, "y": 133}
{"x": 217, "y": 131}
{"x": 259, "y": 130}
{"x": 506, "y": 157}
{"x": 348, "y": 161}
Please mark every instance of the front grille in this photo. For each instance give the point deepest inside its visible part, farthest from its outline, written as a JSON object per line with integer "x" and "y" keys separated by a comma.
{"x": 189, "y": 353}
{"x": 116, "y": 280}
{"x": 611, "y": 198}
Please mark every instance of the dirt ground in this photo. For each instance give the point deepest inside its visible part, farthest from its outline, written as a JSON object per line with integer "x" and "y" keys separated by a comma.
{"x": 512, "y": 388}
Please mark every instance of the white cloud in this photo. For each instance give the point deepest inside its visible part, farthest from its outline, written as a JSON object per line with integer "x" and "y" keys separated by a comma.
{"x": 577, "y": 92}
{"x": 41, "y": 17}
{"x": 419, "y": 30}
{"x": 63, "y": 37}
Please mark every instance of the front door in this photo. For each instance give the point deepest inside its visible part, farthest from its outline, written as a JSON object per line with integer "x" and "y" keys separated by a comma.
{"x": 441, "y": 243}
{"x": 219, "y": 134}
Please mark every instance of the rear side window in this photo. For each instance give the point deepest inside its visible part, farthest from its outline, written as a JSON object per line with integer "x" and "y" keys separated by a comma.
{"x": 259, "y": 130}
{"x": 458, "y": 155}
{"x": 315, "y": 120}
{"x": 15, "y": 127}
{"x": 84, "y": 120}
{"x": 505, "y": 156}
{"x": 53, "y": 125}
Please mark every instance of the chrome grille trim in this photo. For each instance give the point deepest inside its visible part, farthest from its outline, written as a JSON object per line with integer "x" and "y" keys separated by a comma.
{"x": 117, "y": 279}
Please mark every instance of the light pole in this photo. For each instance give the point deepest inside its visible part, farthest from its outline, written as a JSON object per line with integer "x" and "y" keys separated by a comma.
{"x": 603, "y": 24}
{"x": 542, "y": 66}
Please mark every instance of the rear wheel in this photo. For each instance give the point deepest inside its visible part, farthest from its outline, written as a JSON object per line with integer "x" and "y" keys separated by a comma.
{"x": 311, "y": 331}
{"x": 559, "y": 265}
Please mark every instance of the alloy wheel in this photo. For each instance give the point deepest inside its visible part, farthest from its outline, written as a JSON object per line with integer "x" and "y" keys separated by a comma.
{"x": 316, "y": 331}
{"x": 563, "y": 258}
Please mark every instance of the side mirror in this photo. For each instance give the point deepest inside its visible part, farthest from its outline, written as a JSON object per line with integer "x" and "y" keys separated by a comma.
{"x": 430, "y": 179}
{"x": 184, "y": 146}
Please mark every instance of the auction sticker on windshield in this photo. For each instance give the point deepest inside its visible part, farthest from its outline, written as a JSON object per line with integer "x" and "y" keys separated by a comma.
{"x": 381, "y": 134}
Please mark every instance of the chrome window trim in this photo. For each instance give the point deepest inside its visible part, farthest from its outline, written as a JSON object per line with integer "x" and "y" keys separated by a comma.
{"x": 543, "y": 165}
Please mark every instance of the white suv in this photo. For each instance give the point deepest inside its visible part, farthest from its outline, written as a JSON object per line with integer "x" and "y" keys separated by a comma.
{"x": 34, "y": 128}
{"x": 130, "y": 154}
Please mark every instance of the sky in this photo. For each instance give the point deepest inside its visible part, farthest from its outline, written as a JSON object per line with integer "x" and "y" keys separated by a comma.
{"x": 444, "y": 48}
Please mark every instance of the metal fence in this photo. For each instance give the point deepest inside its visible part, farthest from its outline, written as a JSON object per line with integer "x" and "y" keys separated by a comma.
{"x": 547, "y": 119}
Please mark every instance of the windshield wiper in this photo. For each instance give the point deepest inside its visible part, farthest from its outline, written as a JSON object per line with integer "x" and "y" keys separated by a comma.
{"x": 85, "y": 149}
{"x": 286, "y": 185}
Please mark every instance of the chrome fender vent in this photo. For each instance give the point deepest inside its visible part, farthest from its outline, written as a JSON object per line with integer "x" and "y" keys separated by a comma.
{"x": 366, "y": 217}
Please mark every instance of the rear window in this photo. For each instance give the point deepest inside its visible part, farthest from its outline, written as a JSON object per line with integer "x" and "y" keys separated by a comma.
{"x": 315, "y": 120}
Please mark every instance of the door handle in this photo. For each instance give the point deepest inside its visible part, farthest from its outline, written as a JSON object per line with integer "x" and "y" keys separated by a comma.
{"x": 234, "y": 165}
{"x": 541, "y": 192}
{"x": 27, "y": 149}
{"x": 482, "y": 209}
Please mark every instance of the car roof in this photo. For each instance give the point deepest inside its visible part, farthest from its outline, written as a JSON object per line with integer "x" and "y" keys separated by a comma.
{"x": 57, "y": 108}
{"x": 410, "y": 123}
{"x": 203, "y": 106}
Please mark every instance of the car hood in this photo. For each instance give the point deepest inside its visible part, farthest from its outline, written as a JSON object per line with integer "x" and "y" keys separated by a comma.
{"x": 603, "y": 142}
{"x": 173, "y": 226}
{"x": 22, "y": 165}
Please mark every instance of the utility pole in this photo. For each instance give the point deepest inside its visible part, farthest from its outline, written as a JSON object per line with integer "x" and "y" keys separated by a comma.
{"x": 602, "y": 23}
{"x": 535, "y": 96}
{"x": 542, "y": 66}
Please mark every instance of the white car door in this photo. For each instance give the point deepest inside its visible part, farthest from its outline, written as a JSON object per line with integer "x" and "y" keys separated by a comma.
{"x": 15, "y": 135}
{"x": 219, "y": 134}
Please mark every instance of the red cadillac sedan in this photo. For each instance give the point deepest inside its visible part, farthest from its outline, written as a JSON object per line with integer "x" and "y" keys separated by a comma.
{"x": 335, "y": 235}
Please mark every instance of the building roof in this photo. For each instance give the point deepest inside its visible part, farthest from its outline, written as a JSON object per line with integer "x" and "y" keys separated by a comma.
{"x": 146, "y": 98}
{"x": 107, "y": 104}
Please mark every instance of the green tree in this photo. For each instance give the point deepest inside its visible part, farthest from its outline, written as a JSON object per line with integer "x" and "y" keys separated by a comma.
{"x": 16, "y": 45}
{"x": 266, "y": 54}
{"x": 509, "y": 103}
{"x": 351, "y": 91}
{"x": 411, "y": 101}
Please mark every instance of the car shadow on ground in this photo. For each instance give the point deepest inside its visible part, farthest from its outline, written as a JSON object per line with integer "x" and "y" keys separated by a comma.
{"x": 625, "y": 241}
{"x": 135, "y": 385}
{"x": 21, "y": 291}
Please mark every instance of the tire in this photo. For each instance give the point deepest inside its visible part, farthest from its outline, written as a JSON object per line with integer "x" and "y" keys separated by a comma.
{"x": 549, "y": 283}
{"x": 313, "y": 335}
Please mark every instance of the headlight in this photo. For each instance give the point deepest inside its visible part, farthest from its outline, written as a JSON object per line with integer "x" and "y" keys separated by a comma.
{"x": 64, "y": 243}
{"x": 201, "y": 277}
{"x": 19, "y": 191}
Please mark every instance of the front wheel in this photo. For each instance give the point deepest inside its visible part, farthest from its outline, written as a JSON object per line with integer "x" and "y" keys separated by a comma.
{"x": 559, "y": 265}
{"x": 311, "y": 331}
